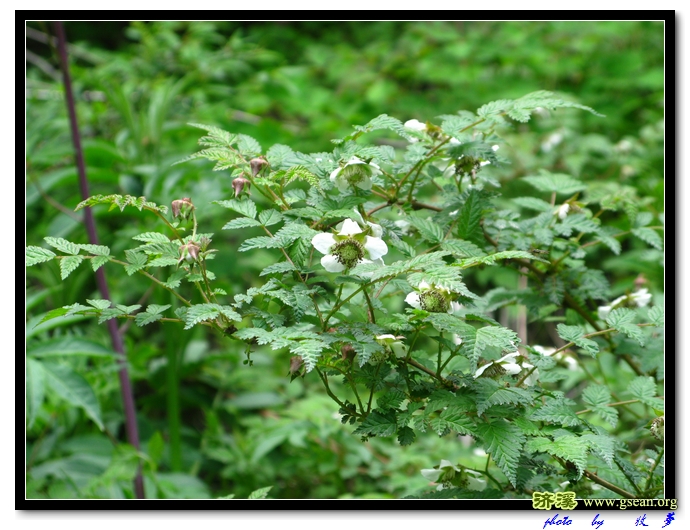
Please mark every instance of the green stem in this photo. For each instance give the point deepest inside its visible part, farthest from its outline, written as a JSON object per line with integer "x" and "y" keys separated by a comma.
{"x": 651, "y": 471}
{"x": 174, "y": 340}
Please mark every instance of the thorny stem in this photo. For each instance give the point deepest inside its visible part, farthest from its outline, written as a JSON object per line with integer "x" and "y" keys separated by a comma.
{"x": 89, "y": 222}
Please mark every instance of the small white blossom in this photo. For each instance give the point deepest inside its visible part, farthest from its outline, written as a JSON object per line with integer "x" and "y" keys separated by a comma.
{"x": 394, "y": 344}
{"x": 563, "y": 210}
{"x": 403, "y": 225}
{"x": 349, "y": 247}
{"x": 415, "y": 125}
{"x": 355, "y": 172}
{"x": 532, "y": 378}
{"x": 640, "y": 298}
{"x": 454, "y": 141}
{"x": 507, "y": 362}
{"x": 433, "y": 299}
{"x": 444, "y": 468}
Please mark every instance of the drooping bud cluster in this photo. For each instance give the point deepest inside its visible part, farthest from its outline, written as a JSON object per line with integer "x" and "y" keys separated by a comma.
{"x": 182, "y": 208}
{"x": 657, "y": 428}
{"x": 189, "y": 252}
{"x": 240, "y": 184}
{"x": 257, "y": 165}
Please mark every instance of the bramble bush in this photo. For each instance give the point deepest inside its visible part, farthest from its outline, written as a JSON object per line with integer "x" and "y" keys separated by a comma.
{"x": 379, "y": 251}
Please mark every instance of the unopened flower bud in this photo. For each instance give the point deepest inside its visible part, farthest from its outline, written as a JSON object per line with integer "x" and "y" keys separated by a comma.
{"x": 189, "y": 252}
{"x": 296, "y": 363}
{"x": 257, "y": 165}
{"x": 182, "y": 207}
{"x": 657, "y": 428}
{"x": 640, "y": 281}
{"x": 239, "y": 185}
{"x": 348, "y": 352}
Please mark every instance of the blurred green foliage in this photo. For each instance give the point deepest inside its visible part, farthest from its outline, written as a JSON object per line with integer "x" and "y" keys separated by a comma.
{"x": 300, "y": 84}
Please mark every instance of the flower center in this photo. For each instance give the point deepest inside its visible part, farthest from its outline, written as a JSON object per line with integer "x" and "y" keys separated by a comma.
{"x": 355, "y": 173}
{"x": 348, "y": 252}
{"x": 494, "y": 370}
{"x": 433, "y": 301}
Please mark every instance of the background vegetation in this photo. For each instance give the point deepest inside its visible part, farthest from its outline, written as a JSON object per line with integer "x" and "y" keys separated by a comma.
{"x": 211, "y": 425}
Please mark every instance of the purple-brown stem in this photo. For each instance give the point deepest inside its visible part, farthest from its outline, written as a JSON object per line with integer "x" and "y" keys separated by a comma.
{"x": 89, "y": 222}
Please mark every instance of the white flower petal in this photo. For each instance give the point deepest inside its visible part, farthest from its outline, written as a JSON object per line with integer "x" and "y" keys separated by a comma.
{"x": 446, "y": 463}
{"x": 365, "y": 183}
{"x": 495, "y": 148}
{"x": 511, "y": 369}
{"x": 354, "y": 160}
{"x": 563, "y": 210}
{"x": 454, "y": 307}
{"x": 413, "y": 300}
{"x": 415, "y": 125}
{"x": 376, "y": 230}
{"x": 386, "y": 336}
{"x": 334, "y": 174}
{"x": 323, "y": 242}
{"x": 375, "y": 247}
{"x": 331, "y": 264}
{"x": 424, "y": 285}
{"x": 482, "y": 369}
{"x": 349, "y": 228}
{"x": 508, "y": 358}
{"x": 454, "y": 141}
{"x": 603, "y": 312}
{"x": 342, "y": 184}
{"x": 432, "y": 475}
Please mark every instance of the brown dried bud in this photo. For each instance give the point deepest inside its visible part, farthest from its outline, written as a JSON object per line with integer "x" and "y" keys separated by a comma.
{"x": 189, "y": 252}
{"x": 240, "y": 184}
{"x": 296, "y": 363}
{"x": 257, "y": 165}
{"x": 348, "y": 352}
{"x": 182, "y": 207}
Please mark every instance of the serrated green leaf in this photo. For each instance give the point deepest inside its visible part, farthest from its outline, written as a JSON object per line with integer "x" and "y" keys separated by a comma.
{"x": 558, "y": 183}
{"x": 36, "y": 255}
{"x": 470, "y": 216}
{"x": 74, "y": 389}
{"x": 575, "y": 334}
{"x": 406, "y": 436}
{"x": 68, "y": 264}
{"x": 244, "y": 207}
{"x": 490, "y": 392}
{"x": 462, "y": 249}
{"x": 644, "y": 389}
{"x": 378, "y": 424}
{"x": 556, "y": 411}
{"x": 283, "y": 266}
{"x": 248, "y": 146}
{"x": 622, "y": 320}
{"x": 261, "y": 493}
{"x": 533, "y": 203}
{"x": 569, "y": 447}
{"x": 270, "y": 217}
{"x": 656, "y": 316}
{"x": 63, "y": 245}
{"x": 99, "y": 304}
{"x": 137, "y": 261}
{"x": 597, "y": 397}
{"x": 429, "y": 230}
{"x": 164, "y": 261}
{"x": 605, "y": 235}
{"x": 98, "y": 262}
{"x": 649, "y": 236}
{"x": 577, "y": 222}
{"x": 152, "y": 237}
{"x": 241, "y": 222}
{"x": 601, "y": 445}
{"x": 503, "y": 441}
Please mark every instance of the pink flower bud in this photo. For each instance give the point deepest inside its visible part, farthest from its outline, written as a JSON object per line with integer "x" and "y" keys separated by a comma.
{"x": 239, "y": 185}
{"x": 182, "y": 207}
{"x": 257, "y": 165}
{"x": 189, "y": 252}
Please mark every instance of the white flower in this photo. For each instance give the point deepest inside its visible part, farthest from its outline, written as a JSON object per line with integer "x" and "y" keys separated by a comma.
{"x": 506, "y": 363}
{"x": 551, "y": 142}
{"x": 477, "y": 481}
{"x": 641, "y": 297}
{"x": 444, "y": 469}
{"x": 454, "y": 141}
{"x": 415, "y": 125}
{"x": 563, "y": 210}
{"x": 433, "y": 299}
{"x": 403, "y": 225}
{"x": 532, "y": 378}
{"x": 394, "y": 344}
{"x": 561, "y": 355}
{"x": 355, "y": 172}
{"x": 349, "y": 247}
